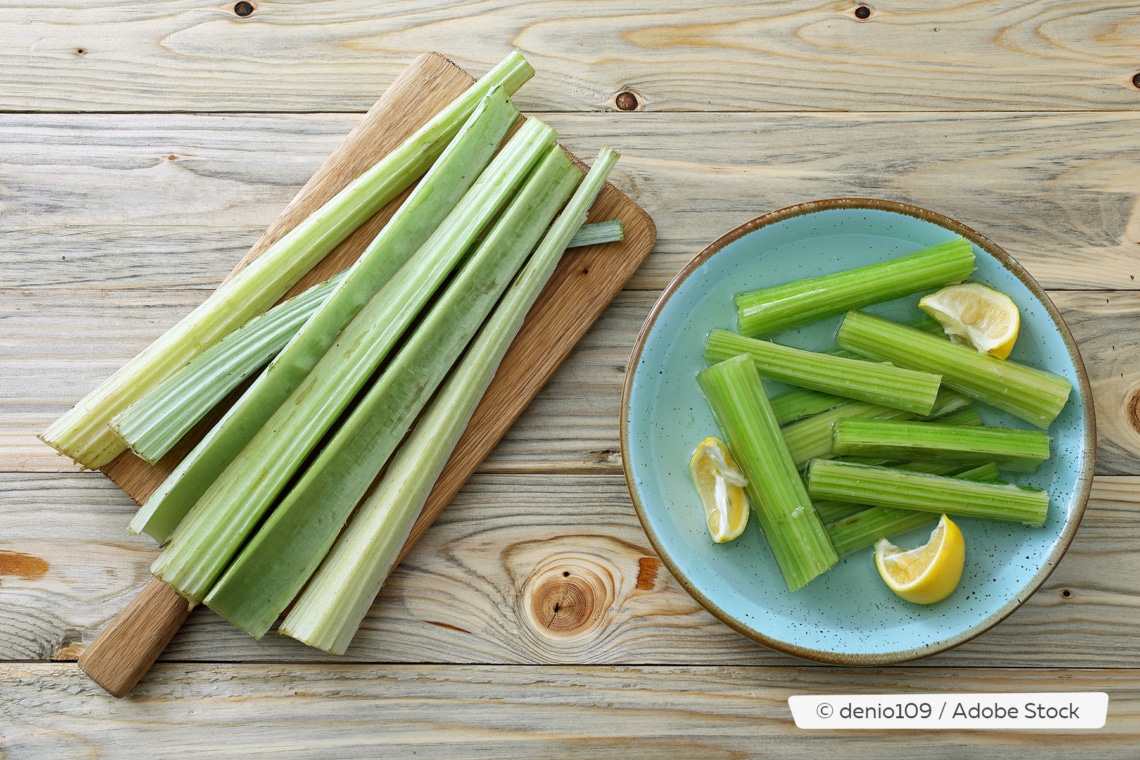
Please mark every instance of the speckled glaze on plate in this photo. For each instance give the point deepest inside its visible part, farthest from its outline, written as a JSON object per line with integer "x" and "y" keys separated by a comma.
{"x": 847, "y": 616}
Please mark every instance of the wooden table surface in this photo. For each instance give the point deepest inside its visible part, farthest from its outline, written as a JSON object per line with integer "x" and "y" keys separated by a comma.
{"x": 145, "y": 146}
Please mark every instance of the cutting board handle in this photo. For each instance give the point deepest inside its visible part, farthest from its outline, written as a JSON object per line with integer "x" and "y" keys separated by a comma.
{"x": 124, "y": 651}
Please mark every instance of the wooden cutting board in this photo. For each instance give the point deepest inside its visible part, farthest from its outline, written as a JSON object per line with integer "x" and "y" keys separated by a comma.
{"x": 584, "y": 283}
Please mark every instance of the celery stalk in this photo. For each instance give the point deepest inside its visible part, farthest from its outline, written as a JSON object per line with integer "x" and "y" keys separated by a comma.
{"x": 1011, "y": 449}
{"x": 798, "y": 403}
{"x": 744, "y": 417}
{"x": 229, "y": 510}
{"x": 1027, "y": 393}
{"x": 769, "y": 310}
{"x": 446, "y": 196}
{"x": 153, "y": 424}
{"x": 270, "y": 570}
{"x": 854, "y": 526}
{"x": 828, "y": 479}
{"x": 329, "y": 610}
{"x": 84, "y": 434}
{"x": 883, "y": 384}
{"x": 812, "y": 437}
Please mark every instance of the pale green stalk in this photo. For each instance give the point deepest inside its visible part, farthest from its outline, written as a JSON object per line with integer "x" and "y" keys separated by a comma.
{"x": 436, "y": 201}
{"x": 882, "y": 384}
{"x": 1028, "y": 393}
{"x": 227, "y": 513}
{"x": 329, "y": 610}
{"x": 84, "y": 434}
{"x": 608, "y": 231}
{"x": 744, "y": 418}
{"x": 770, "y": 310}
{"x": 272, "y": 567}
{"x": 1011, "y": 449}
{"x": 832, "y": 480}
{"x": 153, "y": 424}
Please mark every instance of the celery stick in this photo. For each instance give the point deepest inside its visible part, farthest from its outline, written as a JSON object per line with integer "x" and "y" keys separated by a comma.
{"x": 83, "y": 433}
{"x": 802, "y": 402}
{"x": 447, "y": 197}
{"x": 609, "y": 231}
{"x": 330, "y": 608}
{"x": 744, "y": 417}
{"x": 1027, "y": 393}
{"x": 270, "y": 570}
{"x": 854, "y": 526}
{"x": 153, "y": 424}
{"x": 883, "y": 384}
{"x": 828, "y": 479}
{"x": 769, "y": 310}
{"x": 221, "y": 520}
{"x": 1011, "y": 449}
{"x": 812, "y": 437}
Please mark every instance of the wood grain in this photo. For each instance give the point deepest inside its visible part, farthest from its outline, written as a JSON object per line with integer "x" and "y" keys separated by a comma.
{"x": 482, "y": 585}
{"x": 713, "y": 56}
{"x": 558, "y": 712}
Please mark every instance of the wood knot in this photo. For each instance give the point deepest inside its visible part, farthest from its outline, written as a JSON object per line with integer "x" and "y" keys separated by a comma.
{"x": 567, "y": 598}
{"x": 26, "y": 567}
{"x": 1132, "y": 410}
{"x": 1136, "y": 80}
{"x": 862, "y": 12}
{"x": 243, "y": 8}
{"x": 627, "y": 100}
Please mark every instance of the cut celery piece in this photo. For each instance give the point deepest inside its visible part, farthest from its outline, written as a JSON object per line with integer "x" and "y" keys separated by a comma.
{"x": 1011, "y": 449}
{"x": 153, "y": 424}
{"x": 798, "y": 403}
{"x": 84, "y": 433}
{"x": 443, "y": 204}
{"x": 227, "y": 513}
{"x": 1027, "y": 393}
{"x": 770, "y": 310}
{"x": 883, "y": 384}
{"x": 329, "y": 610}
{"x": 854, "y": 526}
{"x": 828, "y": 479}
{"x": 270, "y": 570}
{"x": 744, "y": 417}
{"x": 595, "y": 233}
{"x": 812, "y": 437}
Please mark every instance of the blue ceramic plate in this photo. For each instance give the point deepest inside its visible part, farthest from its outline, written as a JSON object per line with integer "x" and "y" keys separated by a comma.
{"x": 847, "y": 615}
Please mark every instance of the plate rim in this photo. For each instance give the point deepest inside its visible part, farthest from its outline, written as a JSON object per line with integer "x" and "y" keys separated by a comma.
{"x": 1088, "y": 432}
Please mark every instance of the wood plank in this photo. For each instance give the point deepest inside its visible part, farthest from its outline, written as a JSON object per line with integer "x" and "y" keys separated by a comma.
{"x": 719, "y": 56}
{"x": 58, "y": 343}
{"x": 507, "y": 712}
{"x": 474, "y": 590}
{"x": 142, "y": 201}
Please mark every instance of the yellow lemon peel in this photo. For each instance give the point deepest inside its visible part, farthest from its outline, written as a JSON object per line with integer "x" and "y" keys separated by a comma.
{"x": 928, "y": 573}
{"x": 976, "y": 314}
{"x": 720, "y": 486}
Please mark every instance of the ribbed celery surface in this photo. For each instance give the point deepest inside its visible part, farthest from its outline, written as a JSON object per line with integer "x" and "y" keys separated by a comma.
{"x": 812, "y": 437}
{"x": 329, "y": 610}
{"x": 854, "y": 526}
{"x": 153, "y": 424}
{"x": 1011, "y": 449}
{"x": 270, "y": 570}
{"x": 798, "y": 403}
{"x": 1028, "y": 393}
{"x": 84, "y": 433}
{"x": 744, "y": 417}
{"x": 444, "y": 204}
{"x": 883, "y": 384}
{"x": 829, "y": 479}
{"x": 801, "y": 302}
{"x": 235, "y": 503}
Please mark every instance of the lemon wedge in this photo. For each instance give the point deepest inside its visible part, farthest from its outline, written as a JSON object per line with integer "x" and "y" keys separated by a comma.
{"x": 720, "y": 485}
{"x": 977, "y": 314}
{"x": 928, "y": 573}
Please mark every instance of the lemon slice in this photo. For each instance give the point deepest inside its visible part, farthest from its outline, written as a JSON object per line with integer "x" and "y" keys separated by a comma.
{"x": 976, "y": 314}
{"x": 720, "y": 485}
{"x": 928, "y": 573}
